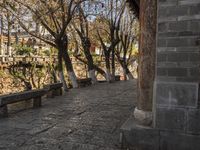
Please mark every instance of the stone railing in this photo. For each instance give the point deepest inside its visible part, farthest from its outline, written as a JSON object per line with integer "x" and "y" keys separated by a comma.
{"x": 18, "y": 58}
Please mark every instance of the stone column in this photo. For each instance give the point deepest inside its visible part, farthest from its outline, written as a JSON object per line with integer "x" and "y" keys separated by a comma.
{"x": 147, "y": 52}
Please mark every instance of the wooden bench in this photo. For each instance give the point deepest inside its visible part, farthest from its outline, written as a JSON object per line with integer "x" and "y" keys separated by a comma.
{"x": 54, "y": 89}
{"x": 84, "y": 82}
{"x": 18, "y": 97}
{"x": 102, "y": 81}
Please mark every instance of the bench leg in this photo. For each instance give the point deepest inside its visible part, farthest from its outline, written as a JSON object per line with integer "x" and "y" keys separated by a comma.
{"x": 37, "y": 102}
{"x": 61, "y": 91}
{"x": 4, "y": 111}
{"x": 50, "y": 94}
{"x": 58, "y": 92}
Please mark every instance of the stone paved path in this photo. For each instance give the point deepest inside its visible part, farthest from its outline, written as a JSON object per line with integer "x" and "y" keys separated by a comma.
{"x": 82, "y": 119}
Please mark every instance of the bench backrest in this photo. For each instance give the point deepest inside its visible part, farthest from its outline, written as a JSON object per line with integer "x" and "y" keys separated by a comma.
{"x": 53, "y": 86}
{"x": 16, "y": 97}
{"x": 84, "y": 80}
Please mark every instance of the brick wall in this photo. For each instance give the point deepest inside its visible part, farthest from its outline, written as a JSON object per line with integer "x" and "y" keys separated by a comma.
{"x": 178, "y": 66}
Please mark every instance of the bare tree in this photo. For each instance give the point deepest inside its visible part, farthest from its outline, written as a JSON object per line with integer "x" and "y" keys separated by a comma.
{"x": 111, "y": 24}
{"x": 128, "y": 39}
{"x": 81, "y": 25}
{"x": 54, "y": 16}
{"x": 6, "y": 24}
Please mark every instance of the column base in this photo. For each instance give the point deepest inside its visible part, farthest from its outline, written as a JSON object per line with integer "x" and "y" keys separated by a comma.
{"x": 135, "y": 136}
{"x": 143, "y": 117}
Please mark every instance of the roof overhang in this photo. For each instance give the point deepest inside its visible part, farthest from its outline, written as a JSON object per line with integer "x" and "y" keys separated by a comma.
{"x": 134, "y": 6}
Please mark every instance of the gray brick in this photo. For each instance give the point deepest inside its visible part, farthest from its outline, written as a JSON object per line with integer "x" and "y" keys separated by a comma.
{"x": 195, "y": 72}
{"x": 188, "y": 33}
{"x": 161, "y": 43}
{"x": 175, "y": 42}
{"x": 175, "y": 94}
{"x": 178, "y": 141}
{"x": 170, "y": 119}
{"x": 194, "y": 9}
{"x": 187, "y": 49}
{"x": 161, "y": 71}
{"x": 161, "y": 57}
{"x": 178, "y": 34}
{"x": 189, "y": 2}
{"x": 194, "y": 57}
{"x": 178, "y": 57}
{"x": 194, "y": 25}
{"x": 178, "y": 26}
{"x": 173, "y": 11}
{"x": 167, "y": 65}
{"x": 188, "y": 18}
{"x": 193, "y": 122}
{"x": 198, "y": 41}
{"x": 187, "y": 64}
{"x": 181, "y": 42}
{"x": 168, "y": 34}
{"x": 178, "y": 72}
{"x": 187, "y": 79}
{"x": 162, "y": 27}
{"x": 167, "y": 3}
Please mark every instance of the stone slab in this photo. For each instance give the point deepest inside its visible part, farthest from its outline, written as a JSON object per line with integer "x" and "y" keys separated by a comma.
{"x": 177, "y": 94}
{"x": 146, "y": 138}
{"x": 193, "y": 122}
{"x": 170, "y": 119}
{"x": 137, "y": 136}
{"x": 179, "y": 141}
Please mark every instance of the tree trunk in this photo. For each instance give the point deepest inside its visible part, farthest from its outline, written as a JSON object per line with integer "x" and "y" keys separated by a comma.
{"x": 147, "y": 52}
{"x": 60, "y": 70}
{"x": 113, "y": 64}
{"x": 124, "y": 74}
{"x": 62, "y": 78}
{"x": 53, "y": 73}
{"x": 1, "y": 36}
{"x": 9, "y": 41}
{"x": 8, "y": 35}
{"x": 99, "y": 70}
{"x": 70, "y": 69}
{"x": 125, "y": 68}
{"x": 129, "y": 74}
{"x": 86, "y": 46}
{"x": 62, "y": 44}
{"x": 107, "y": 59}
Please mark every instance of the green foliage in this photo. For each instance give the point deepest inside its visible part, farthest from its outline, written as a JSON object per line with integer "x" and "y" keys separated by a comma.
{"x": 24, "y": 50}
{"x": 1, "y": 74}
{"x": 47, "y": 53}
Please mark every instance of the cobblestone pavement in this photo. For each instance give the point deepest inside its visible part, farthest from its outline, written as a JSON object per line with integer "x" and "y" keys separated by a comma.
{"x": 82, "y": 119}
